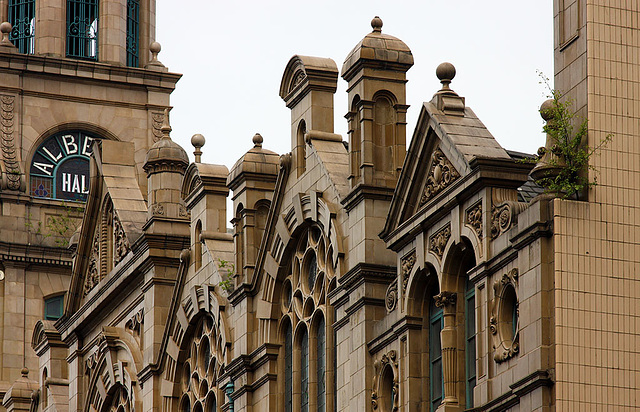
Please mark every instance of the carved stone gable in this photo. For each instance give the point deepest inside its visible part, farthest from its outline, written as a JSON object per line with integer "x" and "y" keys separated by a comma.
{"x": 93, "y": 272}
{"x": 110, "y": 245}
{"x": 441, "y": 174}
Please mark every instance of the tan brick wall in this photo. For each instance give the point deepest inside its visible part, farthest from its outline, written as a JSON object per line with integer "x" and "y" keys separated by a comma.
{"x": 596, "y": 274}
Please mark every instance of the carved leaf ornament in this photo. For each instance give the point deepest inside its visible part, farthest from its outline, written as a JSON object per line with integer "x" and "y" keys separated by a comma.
{"x": 441, "y": 175}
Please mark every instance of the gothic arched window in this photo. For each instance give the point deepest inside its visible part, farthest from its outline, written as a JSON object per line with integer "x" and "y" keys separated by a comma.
{"x": 201, "y": 368}
{"x": 22, "y": 16}
{"x": 304, "y": 307}
{"x": 82, "y": 29}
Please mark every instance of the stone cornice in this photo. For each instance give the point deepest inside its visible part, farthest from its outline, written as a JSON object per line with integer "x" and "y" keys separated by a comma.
{"x": 366, "y": 272}
{"x": 40, "y": 65}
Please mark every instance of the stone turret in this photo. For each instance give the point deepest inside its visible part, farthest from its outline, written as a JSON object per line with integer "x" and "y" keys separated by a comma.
{"x": 165, "y": 165}
{"x": 307, "y": 87}
{"x": 253, "y": 180}
{"x": 376, "y": 72}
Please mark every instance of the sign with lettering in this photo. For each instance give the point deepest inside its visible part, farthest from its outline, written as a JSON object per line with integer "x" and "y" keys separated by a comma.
{"x": 60, "y": 167}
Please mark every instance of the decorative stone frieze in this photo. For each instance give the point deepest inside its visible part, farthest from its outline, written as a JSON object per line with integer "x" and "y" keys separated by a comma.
{"x": 157, "y": 119}
{"x": 9, "y": 151}
{"x": 438, "y": 241}
{"x": 441, "y": 175}
{"x": 504, "y": 321}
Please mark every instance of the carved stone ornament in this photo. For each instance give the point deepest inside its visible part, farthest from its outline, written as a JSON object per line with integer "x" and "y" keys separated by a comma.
{"x": 182, "y": 211}
{"x": 501, "y": 219}
{"x": 93, "y": 272}
{"x": 445, "y": 298}
{"x": 438, "y": 241}
{"x": 407, "y": 263}
{"x": 9, "y": 151}
{"x": 158, "y": 209}
{"x": 473, "y": 218}
{"x": 441, "y": 175}
{"x": 121, "y": 244}
{"x": 135, "y": 321}
{"x": 298, "y": 78}
{"x": 391, "y": 297}
{"x": 157, "y": 120}
{"x": 388, "y": 360}
{"x": 504, "y": 210}
{"x": 505, "y": 334}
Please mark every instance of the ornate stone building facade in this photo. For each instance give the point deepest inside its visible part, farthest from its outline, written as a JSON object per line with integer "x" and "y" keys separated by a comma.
{"x": 358, "y": 275}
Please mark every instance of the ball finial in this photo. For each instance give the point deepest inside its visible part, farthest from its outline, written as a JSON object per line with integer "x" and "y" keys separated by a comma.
{"x": 197, "y": 141}
{"x": 446, "y": 72}
{"x": 155, "y": 47}
{"x": 5, "y": 27}
{"x": 546, "y": 110}
{"x": 376, "y": 23}
{"x": 257, "y": 140}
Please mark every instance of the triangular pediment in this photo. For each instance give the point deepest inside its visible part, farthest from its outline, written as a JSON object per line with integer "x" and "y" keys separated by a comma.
{"x": 113, "y": 219}
{"x": 442, "y": 153}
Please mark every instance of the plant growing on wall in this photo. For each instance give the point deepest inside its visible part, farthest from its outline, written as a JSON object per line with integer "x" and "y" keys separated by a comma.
{"x": 564, "y": 161}
{"x": 227, "y": 272}
{"x": 60, "y": 227}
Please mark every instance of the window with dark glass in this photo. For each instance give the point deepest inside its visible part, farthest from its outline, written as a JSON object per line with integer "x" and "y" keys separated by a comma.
{"x": 322, "y": 343}
{"x": 304, "y": 372}
{"x": 288, "y": 369}
{"x": 470, "y": 337}
{"x": 53, "y": 307}
{"x": 436, "y": 386}
{"x": 60, "y": 167}
{"x": 82, "y": 29}
{"x": 133, "y": 32}
{"x": 22, "y": 15}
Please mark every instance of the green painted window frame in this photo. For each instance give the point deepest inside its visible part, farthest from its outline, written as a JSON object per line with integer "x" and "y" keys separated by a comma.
{"x": 133, "y": 33}
{"x": 436, "y": 380}
{"x": 82, "y": 29}
{"x": 22, "y": 16}
{"x": 470, "y": 342}
{"x": 57, "y": 314}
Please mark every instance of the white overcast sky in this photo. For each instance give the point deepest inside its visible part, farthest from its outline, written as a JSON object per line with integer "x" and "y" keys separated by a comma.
{"x": 232, "y": 55}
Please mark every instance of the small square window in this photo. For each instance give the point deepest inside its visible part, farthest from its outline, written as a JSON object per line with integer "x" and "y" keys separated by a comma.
{"x": 53, "y": 307}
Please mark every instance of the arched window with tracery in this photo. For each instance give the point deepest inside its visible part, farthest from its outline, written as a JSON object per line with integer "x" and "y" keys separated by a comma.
{"x": 201, "y": 368}
{"x": 305, "y": 325}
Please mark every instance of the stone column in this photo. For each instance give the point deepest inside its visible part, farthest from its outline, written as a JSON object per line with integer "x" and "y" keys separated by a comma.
{"x": 50, "y": 35}
{"x": 447, "y": 301}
